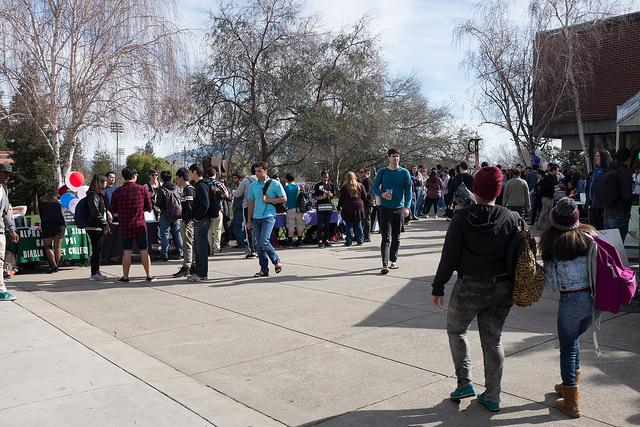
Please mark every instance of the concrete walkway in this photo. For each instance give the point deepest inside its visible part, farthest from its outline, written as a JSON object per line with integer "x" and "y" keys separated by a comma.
{"x": 329, "y": 341}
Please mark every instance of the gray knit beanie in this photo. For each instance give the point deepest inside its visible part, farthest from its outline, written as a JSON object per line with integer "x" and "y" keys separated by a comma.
{"x": 565, "y": 215}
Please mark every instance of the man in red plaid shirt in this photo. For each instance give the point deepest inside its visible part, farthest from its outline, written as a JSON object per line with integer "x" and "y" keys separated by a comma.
{"x": 130, "y": 202}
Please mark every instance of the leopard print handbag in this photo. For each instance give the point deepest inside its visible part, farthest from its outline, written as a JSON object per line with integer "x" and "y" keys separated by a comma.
{"x": 528, "y": 277}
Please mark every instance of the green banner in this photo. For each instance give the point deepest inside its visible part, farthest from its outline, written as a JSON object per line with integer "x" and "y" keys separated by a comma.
{"x": 75, "y": 245}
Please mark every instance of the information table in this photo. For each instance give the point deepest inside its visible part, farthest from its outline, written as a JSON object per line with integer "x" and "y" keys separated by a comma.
{"x": 29, "y": 249}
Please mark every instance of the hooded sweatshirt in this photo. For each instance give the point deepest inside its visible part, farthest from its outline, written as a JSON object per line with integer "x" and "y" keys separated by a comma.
{"x": 476, "y": 244}
{"x": 161, "y": 194}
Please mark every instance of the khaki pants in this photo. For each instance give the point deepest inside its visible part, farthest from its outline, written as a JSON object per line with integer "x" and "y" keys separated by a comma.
{"x": 547, "y": 205}
{"x": 186, "y": 231}
{"x": 216, "y": 233}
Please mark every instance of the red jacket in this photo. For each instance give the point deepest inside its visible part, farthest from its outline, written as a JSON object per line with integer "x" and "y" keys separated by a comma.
{"x": 434, "y": 189}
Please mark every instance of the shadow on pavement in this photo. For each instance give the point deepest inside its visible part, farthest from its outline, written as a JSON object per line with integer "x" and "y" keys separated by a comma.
{"x": 446, "y": 413}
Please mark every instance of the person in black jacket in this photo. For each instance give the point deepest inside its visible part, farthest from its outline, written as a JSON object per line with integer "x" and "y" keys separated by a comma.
{"x": 462, "y": 177}
{"x": 186, "y": 225}
{"x": 484, "y": 286}
{"x": 52, "y": 229}
{"x": 201, "y": 223}
{"x": 97, "y": 224}
{"x": 365, "y": 180}
{"x": 618, "y": 214}
{"x": 546, "y": 190}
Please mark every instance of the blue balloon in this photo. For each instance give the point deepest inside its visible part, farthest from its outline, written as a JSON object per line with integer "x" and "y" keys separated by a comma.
{"x": 66, "y": 198}
{"x": 536, "y": 160}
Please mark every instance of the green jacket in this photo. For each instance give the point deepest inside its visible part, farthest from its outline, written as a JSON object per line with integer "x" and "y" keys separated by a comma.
{"x": 516, "y": 194}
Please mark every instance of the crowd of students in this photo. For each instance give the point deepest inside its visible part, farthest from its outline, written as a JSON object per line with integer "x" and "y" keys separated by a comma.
{"x": 485, "y": 205}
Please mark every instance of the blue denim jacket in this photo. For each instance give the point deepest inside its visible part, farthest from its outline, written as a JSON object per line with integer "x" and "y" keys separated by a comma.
{"x": 567, "y": 275}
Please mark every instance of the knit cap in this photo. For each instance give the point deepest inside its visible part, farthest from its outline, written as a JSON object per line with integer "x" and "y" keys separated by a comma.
{"x": 487, "y": 183}
{"x": 565, "y": 215}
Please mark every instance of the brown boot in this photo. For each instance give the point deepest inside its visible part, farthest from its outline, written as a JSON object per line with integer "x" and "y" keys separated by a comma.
{"x": 570, "y": 402}
{"x": 558, "y": 387}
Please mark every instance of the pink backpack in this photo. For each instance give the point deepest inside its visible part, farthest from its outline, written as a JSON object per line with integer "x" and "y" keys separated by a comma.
{"x": 615, "y": 283}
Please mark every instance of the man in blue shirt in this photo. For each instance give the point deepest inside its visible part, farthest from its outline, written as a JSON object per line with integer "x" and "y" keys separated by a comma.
{"x": 262, "y": 216}
{"x": 393, "y": 185}
{"x": 295, "y": 219}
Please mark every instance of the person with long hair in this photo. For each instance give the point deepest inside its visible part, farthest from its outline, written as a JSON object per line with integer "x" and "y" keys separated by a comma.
{"x": 52, "y": 229}
{"x": 602, "y": 161}
{"x": 566, "y": 246}
{"x": 97, "y": 224}
{"x": 434, "y": 186}
{"x": 351, "y": 204}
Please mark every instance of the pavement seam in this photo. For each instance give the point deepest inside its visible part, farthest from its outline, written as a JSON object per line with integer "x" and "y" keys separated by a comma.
{"x": 113, "y": 363}
{"x": 327, "y": 340}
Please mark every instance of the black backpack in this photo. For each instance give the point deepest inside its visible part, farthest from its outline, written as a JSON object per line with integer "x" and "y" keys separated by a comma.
{"x": 172, "y": 204}
{"x": 215, "y": 198}
{"x": 280, "y": 207}
{"x": 606, "y": 188}
{"x": 303, "y": 202}
{"x": 81, "y": 215}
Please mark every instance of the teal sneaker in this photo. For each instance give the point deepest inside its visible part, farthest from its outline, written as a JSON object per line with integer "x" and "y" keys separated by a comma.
{"x": 7, "y": 296}
{"x": 461, "y": 393}
{"x": 492, "y": 406}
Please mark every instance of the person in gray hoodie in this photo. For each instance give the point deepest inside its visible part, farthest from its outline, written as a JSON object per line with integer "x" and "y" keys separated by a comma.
{"x": 6, "y": 224}
{"x": 484, "y": 285}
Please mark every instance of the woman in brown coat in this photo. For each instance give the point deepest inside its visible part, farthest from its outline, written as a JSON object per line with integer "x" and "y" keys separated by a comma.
{"x": 351, "y": 206}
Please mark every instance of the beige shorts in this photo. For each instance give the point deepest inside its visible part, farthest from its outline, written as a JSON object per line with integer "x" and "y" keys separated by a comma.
{"x": 295, "y": 220}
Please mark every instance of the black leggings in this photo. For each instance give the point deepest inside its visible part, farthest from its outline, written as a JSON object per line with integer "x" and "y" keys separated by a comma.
{"x": 96, "y": 238}
{"x": 429, "y": 203}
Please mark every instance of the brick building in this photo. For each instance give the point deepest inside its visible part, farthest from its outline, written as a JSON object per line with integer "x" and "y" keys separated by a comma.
{"x": 609, "y": 89}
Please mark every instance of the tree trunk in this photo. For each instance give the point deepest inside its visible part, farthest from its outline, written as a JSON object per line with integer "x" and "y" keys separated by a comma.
{"x": 576, "y": 101}
{"x": 58, "y": 176}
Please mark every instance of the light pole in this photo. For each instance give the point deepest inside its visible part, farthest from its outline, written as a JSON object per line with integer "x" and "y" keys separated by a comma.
{"x": 117, "y": 128}
{"x": 473, "y": 147}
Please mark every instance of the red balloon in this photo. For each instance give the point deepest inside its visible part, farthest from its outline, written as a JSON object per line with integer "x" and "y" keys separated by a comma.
{"x": 76, "y": 179}
{"x": 62, "y": 190}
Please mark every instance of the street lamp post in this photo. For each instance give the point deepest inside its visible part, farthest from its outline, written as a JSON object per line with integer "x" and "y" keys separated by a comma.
{"x": 473, "y": 147}
{"x": 117, "y": 128}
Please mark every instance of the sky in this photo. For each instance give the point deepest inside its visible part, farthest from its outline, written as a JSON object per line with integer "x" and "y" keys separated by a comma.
{"x": 416, "y": 38}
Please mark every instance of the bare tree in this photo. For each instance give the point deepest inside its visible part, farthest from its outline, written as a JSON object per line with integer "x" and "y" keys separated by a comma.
{"x": 574, "y": 30}
{"x": 503, "y": 64}
{"x": 85, "y": 63}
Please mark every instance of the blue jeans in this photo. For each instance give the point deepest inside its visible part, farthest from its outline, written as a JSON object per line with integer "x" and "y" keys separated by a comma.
{"x": 238, "y": 228}
{"x": 201, "y": 243}
{"x": 164, "y": 226}
{"x": 420, "y": 201}
{"x": 621, "y": 223}
{"x": 575, "y": 312}
{"x": 354, "y": 227}
{"x": 262, "y": 229}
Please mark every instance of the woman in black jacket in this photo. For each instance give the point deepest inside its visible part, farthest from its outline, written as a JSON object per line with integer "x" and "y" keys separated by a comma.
{"x": 52, "y": 229}
{"x": 97, "y": 225}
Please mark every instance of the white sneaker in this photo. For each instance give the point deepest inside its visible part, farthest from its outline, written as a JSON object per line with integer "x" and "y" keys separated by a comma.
{"x": 102, "y": 275}
{"x": 194, "y": 278}
{"x": 97, "y": 277}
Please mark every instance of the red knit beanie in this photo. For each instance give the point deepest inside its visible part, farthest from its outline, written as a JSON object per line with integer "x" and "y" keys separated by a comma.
{"x": 487, "y": 183}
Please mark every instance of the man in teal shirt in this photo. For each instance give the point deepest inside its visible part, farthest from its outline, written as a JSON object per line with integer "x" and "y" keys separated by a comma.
{"x": 262, "y": 216}
{"x": 295, "y": 219}
{"x": 393, "y": 185}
